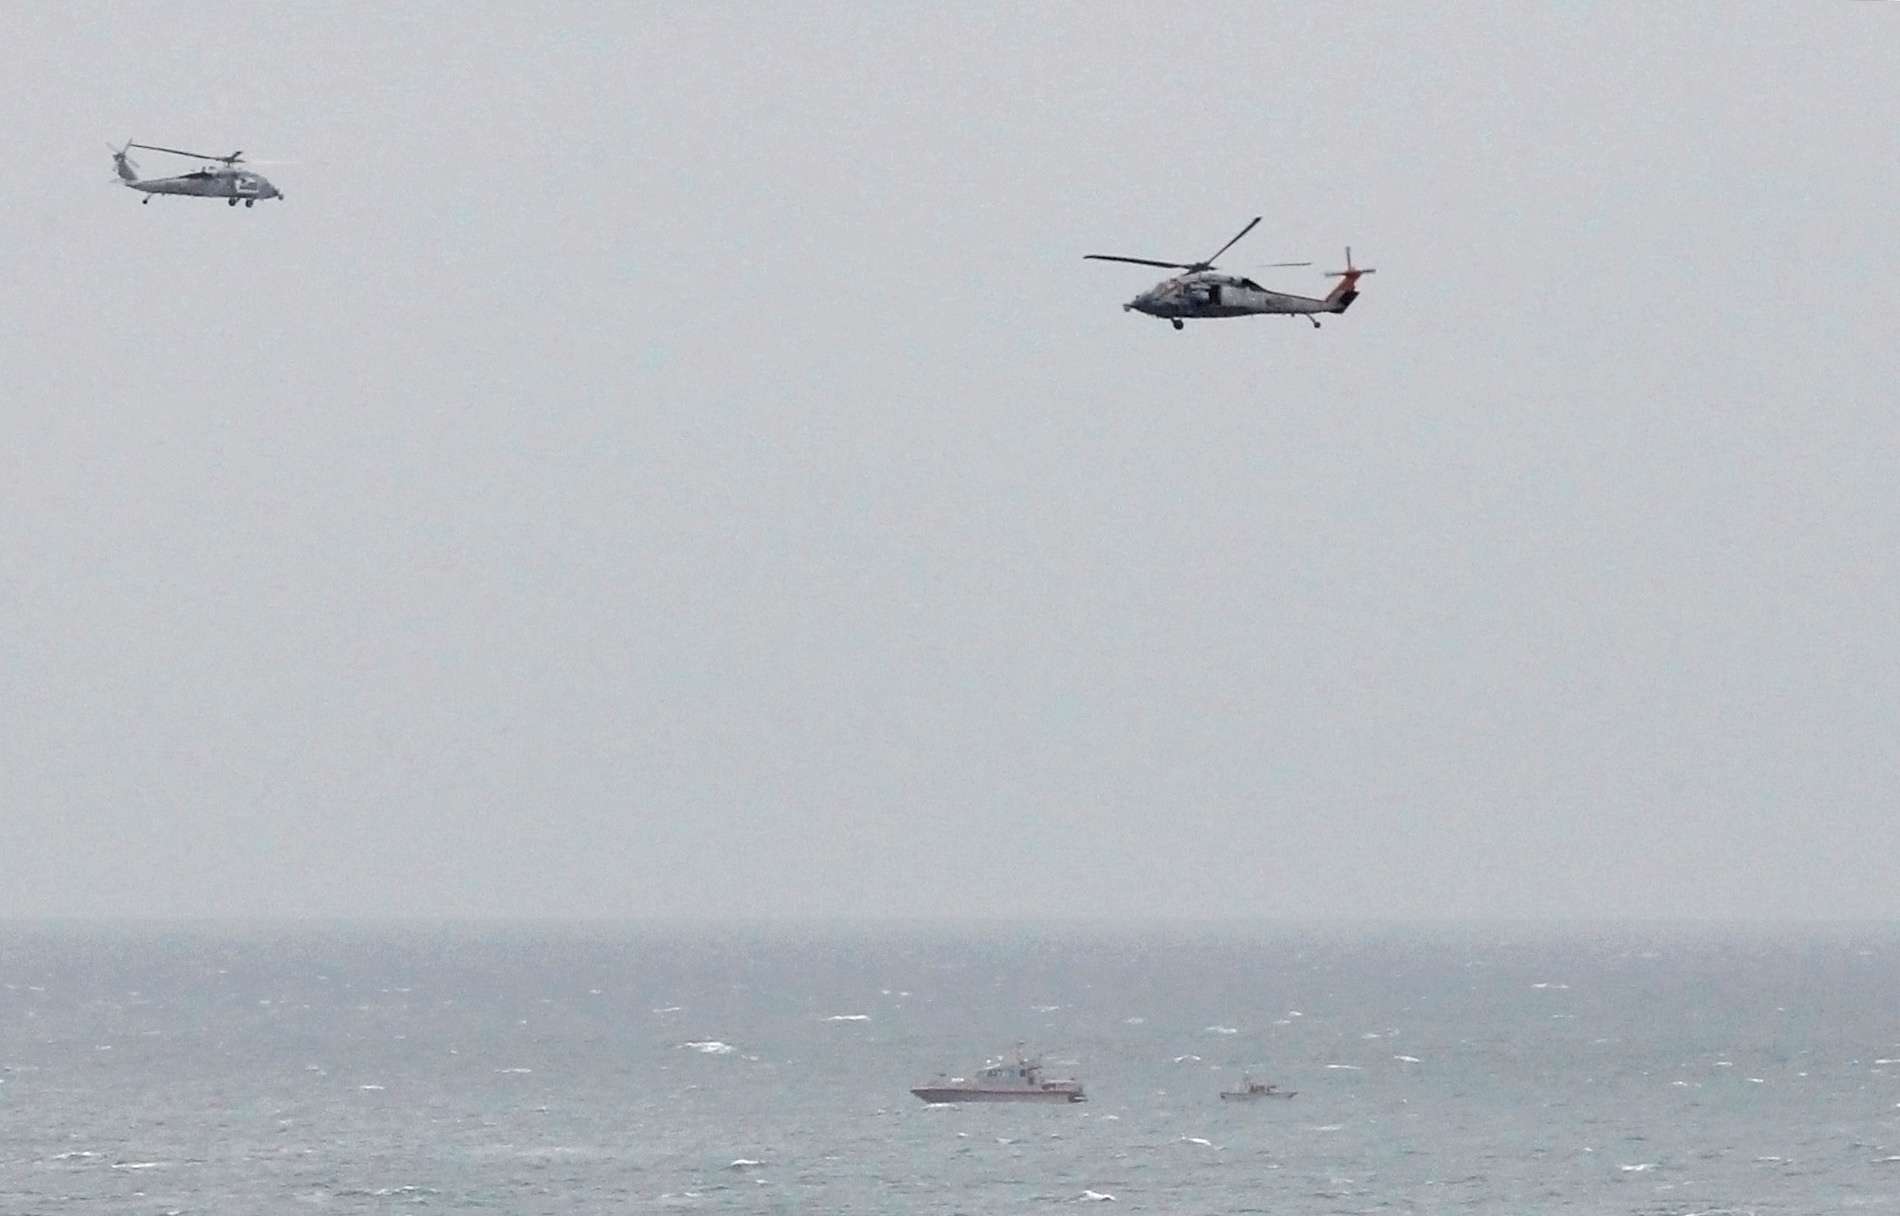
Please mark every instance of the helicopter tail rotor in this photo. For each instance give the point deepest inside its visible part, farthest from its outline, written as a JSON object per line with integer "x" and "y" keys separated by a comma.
{"x": 1351, "y": 271}
{"x": 124, "y": 165}
{"x": 1347, "y": 289}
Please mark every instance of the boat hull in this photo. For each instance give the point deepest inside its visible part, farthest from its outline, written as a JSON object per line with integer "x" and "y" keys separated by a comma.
{"x": 955, "y": 1093}
{"x": 1230, "y": 1096}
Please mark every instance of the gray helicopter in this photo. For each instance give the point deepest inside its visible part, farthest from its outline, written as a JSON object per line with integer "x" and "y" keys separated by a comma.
{"x": 228, "y": 182}
{"x": 1202, "y": 293}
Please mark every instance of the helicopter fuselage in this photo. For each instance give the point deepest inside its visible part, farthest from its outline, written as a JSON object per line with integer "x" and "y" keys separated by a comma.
{"x": 229, "y": 184}
{"x": 1205, "y": 294}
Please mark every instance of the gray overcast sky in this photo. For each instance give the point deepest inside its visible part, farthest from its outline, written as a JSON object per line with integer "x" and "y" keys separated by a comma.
{"x": 674, "y": 461}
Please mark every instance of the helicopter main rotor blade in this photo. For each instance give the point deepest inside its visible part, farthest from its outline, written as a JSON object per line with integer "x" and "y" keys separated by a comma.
{"x": 1109, "y": 257}
{"x": 1273, "y": 265}
{"x": 175, "y": 151}
{"x": 1229, "y": 245}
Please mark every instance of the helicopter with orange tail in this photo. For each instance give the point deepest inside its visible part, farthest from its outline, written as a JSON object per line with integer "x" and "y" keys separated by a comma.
{"x": 1202, "y": 294}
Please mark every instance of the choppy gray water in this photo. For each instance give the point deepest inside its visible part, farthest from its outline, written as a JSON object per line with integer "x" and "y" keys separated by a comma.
{"x": 1643, "y": 1070}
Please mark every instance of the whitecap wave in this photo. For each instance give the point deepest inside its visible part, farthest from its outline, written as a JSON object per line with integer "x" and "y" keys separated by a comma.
{"x": 1407, "y": 1059}
{"x": 1222, "y": 1030}
{"x": 1347, "y": 1067}
{"x": 1638, "y": 1168}
{"x": 1095, "y": 1197}
{"x": 709, "y": 1047}
{"x": 744, "y": 1163}
{"x": 849, "y": 1017}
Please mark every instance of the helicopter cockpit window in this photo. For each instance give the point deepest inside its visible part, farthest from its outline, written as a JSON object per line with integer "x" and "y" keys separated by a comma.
{"x": 1250, "y": 285}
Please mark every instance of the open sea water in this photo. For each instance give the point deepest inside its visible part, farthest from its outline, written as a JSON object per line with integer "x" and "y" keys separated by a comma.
{"x": 1660, "y": 1070}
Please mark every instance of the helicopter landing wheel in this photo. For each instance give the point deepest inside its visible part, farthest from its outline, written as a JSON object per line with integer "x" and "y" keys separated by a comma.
{"x": 250, "y": 202}
{"x": 145, "y": 200}
{"x": 1176, "y": 322}
{"x": 1315, "y": 322}
{"x": 230, "y": 202}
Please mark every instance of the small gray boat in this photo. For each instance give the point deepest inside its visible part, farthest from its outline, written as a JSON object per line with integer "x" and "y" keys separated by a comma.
{"x": 1018, "y": 1080}
{"x": 1252, "y": 1091}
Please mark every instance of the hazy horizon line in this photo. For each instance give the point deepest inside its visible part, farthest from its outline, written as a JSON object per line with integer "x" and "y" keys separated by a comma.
{"x": 873, "y": 921}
